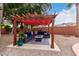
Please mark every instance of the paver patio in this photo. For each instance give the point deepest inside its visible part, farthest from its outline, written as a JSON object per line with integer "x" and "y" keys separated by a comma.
{"x": 64, "y": 42}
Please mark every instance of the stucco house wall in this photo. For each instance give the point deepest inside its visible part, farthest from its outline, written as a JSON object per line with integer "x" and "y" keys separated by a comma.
{"x": 77, "y": 28}
{"x": 1, "y": 11}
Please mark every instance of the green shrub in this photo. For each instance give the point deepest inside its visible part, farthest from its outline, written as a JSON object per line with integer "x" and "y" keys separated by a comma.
{"x": 21, "y": 35}
{"x": 2, "y": 26}
{"x": 6, "y": 27}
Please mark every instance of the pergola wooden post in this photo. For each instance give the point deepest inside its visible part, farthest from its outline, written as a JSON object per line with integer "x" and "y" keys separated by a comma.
{"x": 52, "y": 34}
{"x": 14, "y": 32}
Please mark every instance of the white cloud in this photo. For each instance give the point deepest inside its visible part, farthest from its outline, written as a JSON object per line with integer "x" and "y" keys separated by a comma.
{"x": 66, "y": 16}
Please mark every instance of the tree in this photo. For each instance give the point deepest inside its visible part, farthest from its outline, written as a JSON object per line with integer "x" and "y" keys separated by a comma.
{"x": 22, "y": 8}
{"x": 69, "y": 5}
{"x": 10, "y": 9}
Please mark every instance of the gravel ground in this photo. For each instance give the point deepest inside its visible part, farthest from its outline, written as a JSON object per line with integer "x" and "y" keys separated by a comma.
{"x": 64, "y": 42}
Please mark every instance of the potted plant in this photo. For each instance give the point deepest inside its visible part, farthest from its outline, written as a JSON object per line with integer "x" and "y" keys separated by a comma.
{"x": 20, "y": 38}
{"x": 28, "y": 37}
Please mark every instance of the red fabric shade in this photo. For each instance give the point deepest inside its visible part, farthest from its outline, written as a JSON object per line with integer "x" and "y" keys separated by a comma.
{"x": 37, "y": 22}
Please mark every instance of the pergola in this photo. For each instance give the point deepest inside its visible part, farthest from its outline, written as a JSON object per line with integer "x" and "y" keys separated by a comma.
{"x": 34, "y": 20}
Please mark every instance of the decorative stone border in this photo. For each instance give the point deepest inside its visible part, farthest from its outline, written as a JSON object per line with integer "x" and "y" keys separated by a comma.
{"x": 75, "y": 49}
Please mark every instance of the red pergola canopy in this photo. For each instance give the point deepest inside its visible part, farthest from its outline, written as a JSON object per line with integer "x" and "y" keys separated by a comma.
{"x": 45, "y": 20}
{"x": 37, "y": 22}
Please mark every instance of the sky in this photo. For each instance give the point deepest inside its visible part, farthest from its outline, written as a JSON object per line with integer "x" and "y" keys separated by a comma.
{"x": 57, "y": 7}
{"x": 64, "y": 14}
